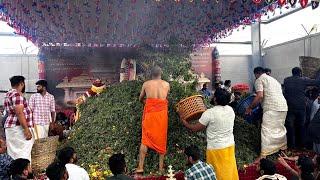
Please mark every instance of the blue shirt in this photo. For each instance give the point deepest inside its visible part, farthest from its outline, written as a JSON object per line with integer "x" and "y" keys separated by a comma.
{"x": 200, "y": 171}
{"x": 5, "y": 161}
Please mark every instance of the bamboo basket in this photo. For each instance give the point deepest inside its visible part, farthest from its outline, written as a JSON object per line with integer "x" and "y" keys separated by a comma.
{"x": 43, "y": 152}
{"x": 191, "y": 108}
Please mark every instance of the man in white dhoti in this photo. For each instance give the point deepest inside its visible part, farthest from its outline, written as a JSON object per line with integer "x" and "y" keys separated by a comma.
{"x": 18, "y": 124}
{"x": 273, "y": 131}
{"x": 43, "y": 108}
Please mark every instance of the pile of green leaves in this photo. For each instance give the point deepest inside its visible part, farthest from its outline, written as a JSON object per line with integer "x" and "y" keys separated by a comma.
{"x": 111, "y": 123}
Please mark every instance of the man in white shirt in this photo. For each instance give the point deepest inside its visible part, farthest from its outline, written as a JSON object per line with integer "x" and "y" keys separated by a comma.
{"x": 68, "y": 157}
{"x": 274, "y": 105}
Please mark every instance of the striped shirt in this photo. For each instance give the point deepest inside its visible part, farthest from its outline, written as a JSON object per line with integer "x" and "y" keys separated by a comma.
{"x": 12, "y": 99}
{"x": 42, "y": 106}
{"x": 273, "y": 98}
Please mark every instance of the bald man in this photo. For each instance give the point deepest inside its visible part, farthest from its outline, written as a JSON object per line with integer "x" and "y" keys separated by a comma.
{"x": 155, "y": 118}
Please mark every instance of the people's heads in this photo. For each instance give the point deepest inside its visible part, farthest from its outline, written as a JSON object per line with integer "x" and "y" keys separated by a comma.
{"x": 204, "y": 86}
{"x": 217, "y": 85}
{"x": 156, "y": 72}
{"x": 193, "y": 154}
{"x": 17, "y": 82}
{"x": 42, "y": 86}
{"x": 237, "y": 95}
{"x": 67, "y": 155}
{"x": 296, "y": 71}
{"x": 117, "y": 164}
{"x": 267, "y": 71}
{"x": 61, "y": 116}
{"x": 20, "y": 167}
{"x": 221, "y": 97}
{"x": 57, "y": 171}
{"x": 258, "y": 71}
{"x": 227, "y": 83}
{"x": 306, "y": 167}
{"x": 267, "y": 167}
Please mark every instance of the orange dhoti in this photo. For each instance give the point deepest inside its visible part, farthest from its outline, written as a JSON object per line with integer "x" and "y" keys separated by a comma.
{"x": 155, "y": 125}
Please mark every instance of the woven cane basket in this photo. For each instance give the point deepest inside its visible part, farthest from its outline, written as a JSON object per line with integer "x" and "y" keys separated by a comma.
{"x": 191, "y": 108}
{"x": 43, "y": 153}
{"x": 310, "y": 66}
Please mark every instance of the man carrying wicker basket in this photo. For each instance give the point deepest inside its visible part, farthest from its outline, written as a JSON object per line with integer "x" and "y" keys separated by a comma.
{"x": 18, "y": 124}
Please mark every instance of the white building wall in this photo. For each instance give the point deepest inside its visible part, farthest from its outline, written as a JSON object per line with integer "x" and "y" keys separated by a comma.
{"x": 25, "y": 65}
{"x": 235, "y": 68}
{"x": 283, "y": 57}
{"x": 315, "y": 46}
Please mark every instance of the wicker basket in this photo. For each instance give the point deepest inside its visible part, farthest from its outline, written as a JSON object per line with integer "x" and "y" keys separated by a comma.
{"x": 43, "y": 153}
{"x": 310, "y": 66}
{"x": 191, "y": 108}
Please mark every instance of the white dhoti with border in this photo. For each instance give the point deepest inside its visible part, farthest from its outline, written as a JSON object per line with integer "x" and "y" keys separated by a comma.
{"x": 17, "y": 145}
{"x": 273, "y": 132}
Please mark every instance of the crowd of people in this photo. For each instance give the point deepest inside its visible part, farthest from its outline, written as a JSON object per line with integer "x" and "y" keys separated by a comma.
{"x": 63, "y": 168}
{"x": 290, "y": 120}
{"x": 284, "y": 125}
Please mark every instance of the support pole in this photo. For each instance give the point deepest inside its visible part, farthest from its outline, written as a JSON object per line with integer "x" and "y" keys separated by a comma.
{"x": 256, "y": 50}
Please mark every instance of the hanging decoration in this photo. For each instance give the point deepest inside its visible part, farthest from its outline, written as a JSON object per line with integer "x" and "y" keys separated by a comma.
{"x": 303, "y": 3}
{"x": 292, "y": 2}
{"x": 115, "y": 23}
{"x": 216, "y": 68}
{"x": 269, "y": 1}
{"x": 282, "y": 2}
{"x": 257, "y": 1}
{"x": 315, "y": 4}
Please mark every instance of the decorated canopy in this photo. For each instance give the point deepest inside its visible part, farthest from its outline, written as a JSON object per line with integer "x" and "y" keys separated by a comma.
{"x": 130, "y": 22}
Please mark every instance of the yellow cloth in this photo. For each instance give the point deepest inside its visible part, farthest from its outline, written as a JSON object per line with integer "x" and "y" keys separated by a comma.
{"x": 224, "y": 163}
{"x": 97, "y": 90}
{"x": 77, "y": 116}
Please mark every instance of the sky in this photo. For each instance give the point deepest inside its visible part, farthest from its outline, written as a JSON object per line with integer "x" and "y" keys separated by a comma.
{"x": 15, "y": 44}
{"x": 285, "y": 29}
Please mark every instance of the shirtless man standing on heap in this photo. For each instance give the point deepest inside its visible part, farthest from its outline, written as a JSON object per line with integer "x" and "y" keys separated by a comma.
{"x": 155, "y": 118}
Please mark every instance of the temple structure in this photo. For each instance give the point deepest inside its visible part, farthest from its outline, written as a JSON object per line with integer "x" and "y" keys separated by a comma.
{"x": 75, "y": 87}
